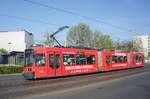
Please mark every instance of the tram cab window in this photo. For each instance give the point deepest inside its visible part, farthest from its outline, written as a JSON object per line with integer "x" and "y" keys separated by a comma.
{"x": 29, "y": 57}
{"x": 90, "y": 59}
{"x": 120, "y": 59}
{"x": 40, "y": 60}
{"x": 68, "y": 59}
{"x": 80, "y": 59}
{"x": 114, "y": 59}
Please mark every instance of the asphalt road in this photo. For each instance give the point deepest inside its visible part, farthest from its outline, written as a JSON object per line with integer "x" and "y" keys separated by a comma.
{"x": 126, "y": 84}
{"x": 131, "y": 87}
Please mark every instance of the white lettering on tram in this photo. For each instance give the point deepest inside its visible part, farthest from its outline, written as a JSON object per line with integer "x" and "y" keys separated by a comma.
{"x": 138, "y": 63}
{"x": 119, "y": 65}
{"x": 68, "y": 52}
{"x": 78, "y": 67}
{"x": 79, "y": 71}
{"x": 120, "y": 54}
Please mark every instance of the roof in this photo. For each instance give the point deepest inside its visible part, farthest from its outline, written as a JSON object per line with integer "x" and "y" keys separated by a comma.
{"x": 17, "y": 31}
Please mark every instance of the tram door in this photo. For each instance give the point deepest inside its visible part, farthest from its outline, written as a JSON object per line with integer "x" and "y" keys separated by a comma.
{"x": 54, "y": 62}
{"x": 107, "y": 60}
{"x": 133, "y": 60}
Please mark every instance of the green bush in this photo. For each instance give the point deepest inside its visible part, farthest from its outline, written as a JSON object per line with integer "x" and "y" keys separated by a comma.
{"x": 10, "y": 69}
{"x": 3, "y": 51}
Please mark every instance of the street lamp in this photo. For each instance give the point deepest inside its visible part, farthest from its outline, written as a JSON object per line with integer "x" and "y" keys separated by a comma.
{"x": 9, "y": 43}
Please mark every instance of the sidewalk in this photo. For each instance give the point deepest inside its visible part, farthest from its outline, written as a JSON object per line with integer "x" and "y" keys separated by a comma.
{"x": 16, "y": 74}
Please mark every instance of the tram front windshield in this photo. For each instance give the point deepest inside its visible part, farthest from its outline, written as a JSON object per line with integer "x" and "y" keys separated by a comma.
{"x": 29, "y": 57}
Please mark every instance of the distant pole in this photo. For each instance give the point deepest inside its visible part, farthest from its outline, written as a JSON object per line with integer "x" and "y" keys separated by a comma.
{"x": 66, "y": 42}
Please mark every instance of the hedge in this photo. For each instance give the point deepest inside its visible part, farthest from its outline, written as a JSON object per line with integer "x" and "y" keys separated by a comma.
{"x": 10, "y": 69}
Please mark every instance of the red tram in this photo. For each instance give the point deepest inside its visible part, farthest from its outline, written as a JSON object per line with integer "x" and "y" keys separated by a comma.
{"x": 41, "y": 62}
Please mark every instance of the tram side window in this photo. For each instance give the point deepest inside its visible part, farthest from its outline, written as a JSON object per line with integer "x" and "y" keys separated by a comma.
{"x": 120, "y": 59}
{"x": 140, "y": 59}
{"x": 68, "y": 59}
{"x": 57, "y": 60}
{"x": 107, "y": 60}
{"x": 40, "y": 60}
{"x": 51, "y": 60}
{"x": 125, "y": 59}
{"x": 80, "y": 59}
{"x": 143, "y": 59}
{"x": 114, "y": 59}
{"x": 133, "y": 59}
{"x": 90, "y": 59}
{"x": 137, "y": 58}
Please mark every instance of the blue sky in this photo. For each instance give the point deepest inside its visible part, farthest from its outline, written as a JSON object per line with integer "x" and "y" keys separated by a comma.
{"x": 128, "y": 17}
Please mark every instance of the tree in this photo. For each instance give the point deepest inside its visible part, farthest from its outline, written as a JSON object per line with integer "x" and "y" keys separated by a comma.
{"x": 3, "y": 51}
{"x": 124, "y": 45}
{"x": 47, "y": 40}
{"x": 102, "y": 41}
{"x": 148, "y": 54}
{"x": 80, "y": 35}
{"x": 137, "y": 44}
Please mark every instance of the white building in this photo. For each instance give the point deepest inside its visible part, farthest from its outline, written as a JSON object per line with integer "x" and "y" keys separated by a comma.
{"x": 16, "y": 41}
{"x": 144, "y": 42}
